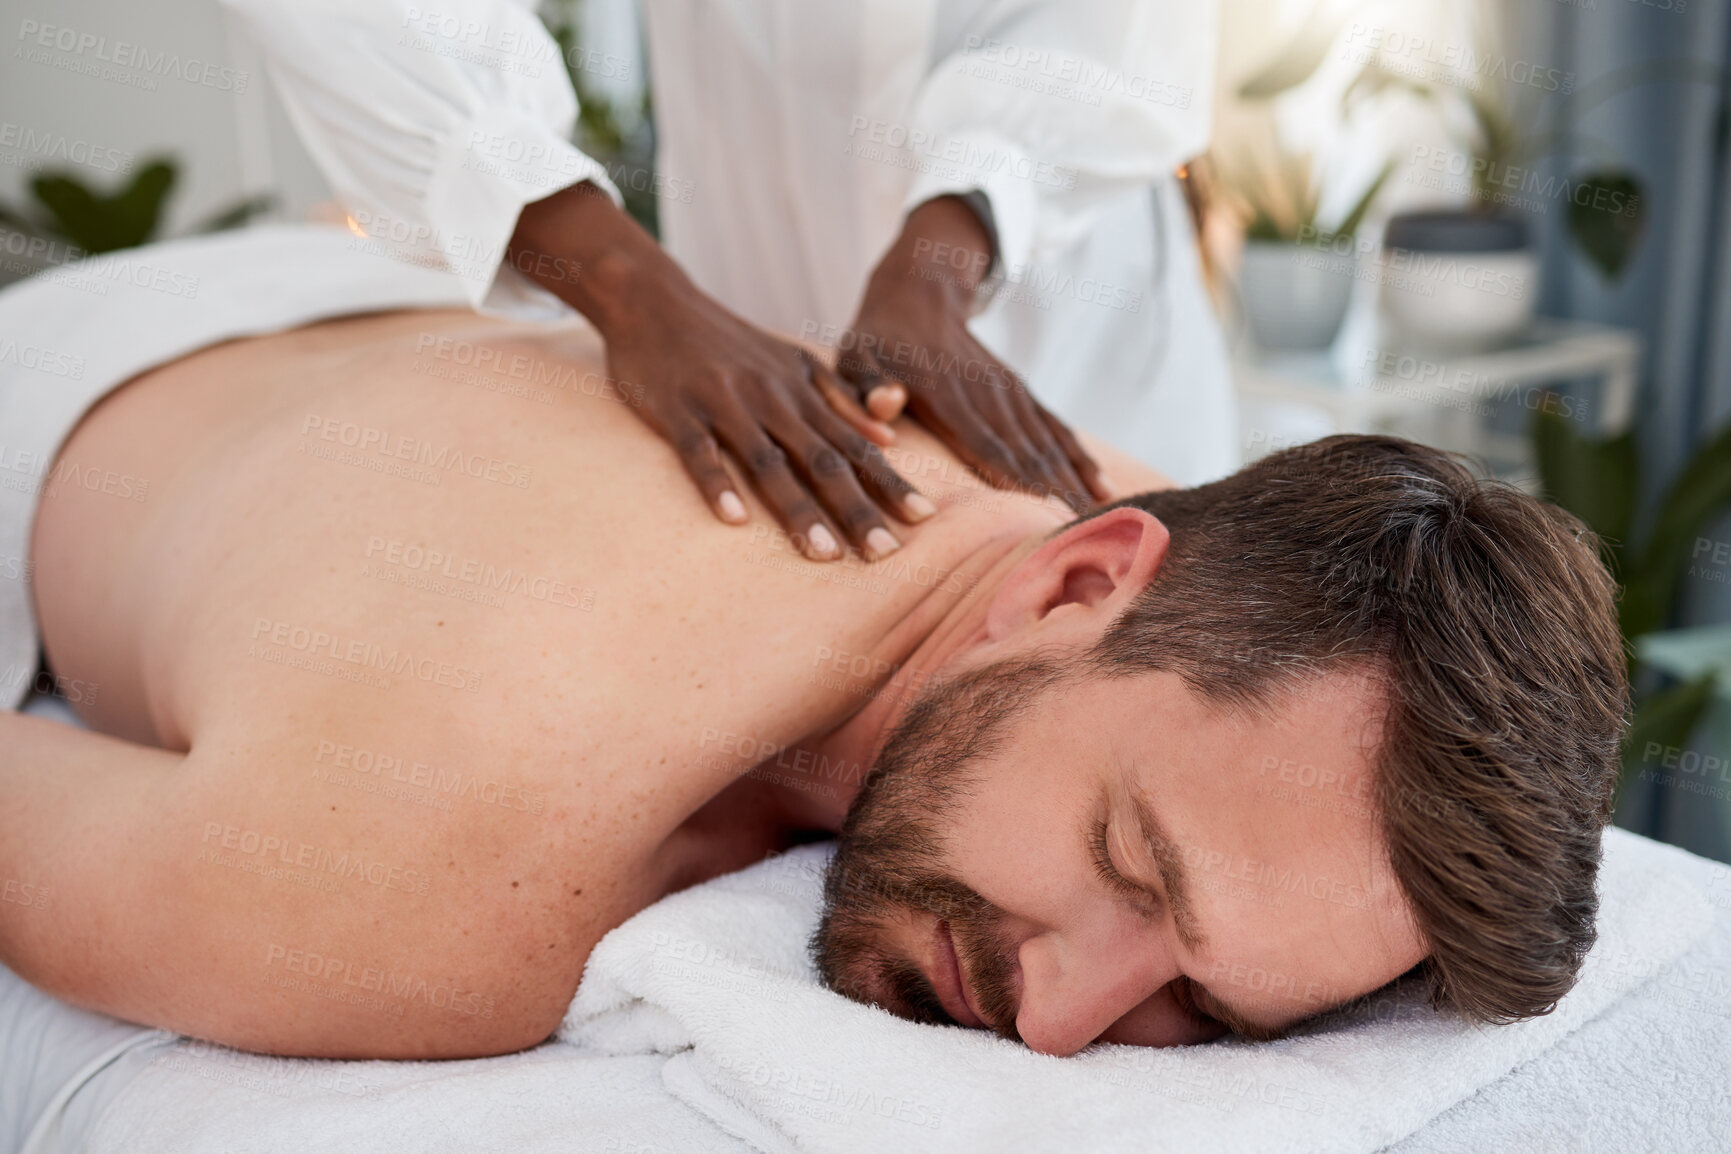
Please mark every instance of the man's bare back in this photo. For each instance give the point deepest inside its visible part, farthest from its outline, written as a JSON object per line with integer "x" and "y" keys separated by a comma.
{"x": 459, "y": 665}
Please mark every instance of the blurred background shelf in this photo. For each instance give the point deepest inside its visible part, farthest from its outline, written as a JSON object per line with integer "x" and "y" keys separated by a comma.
{"x": 1475, "y": 403}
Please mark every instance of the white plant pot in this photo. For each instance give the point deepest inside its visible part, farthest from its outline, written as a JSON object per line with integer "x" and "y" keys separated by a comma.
{"x": 1294, "y": 296}
{"x": 1439, "y": 294}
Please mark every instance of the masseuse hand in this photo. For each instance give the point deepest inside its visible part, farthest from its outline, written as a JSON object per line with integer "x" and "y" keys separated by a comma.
{"x": 708, "y": 379}
{"x": 910, "y": 344}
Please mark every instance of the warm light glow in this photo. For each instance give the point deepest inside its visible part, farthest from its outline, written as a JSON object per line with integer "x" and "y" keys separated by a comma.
{"x": 355, "y": 227}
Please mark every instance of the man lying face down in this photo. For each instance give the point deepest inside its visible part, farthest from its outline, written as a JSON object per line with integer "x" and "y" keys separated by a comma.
{"x": 1364, "y": 717}
{"x": 1214, "y": 758}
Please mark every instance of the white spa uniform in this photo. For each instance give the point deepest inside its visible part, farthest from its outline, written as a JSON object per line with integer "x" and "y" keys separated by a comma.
{"x": 792, "y": 138}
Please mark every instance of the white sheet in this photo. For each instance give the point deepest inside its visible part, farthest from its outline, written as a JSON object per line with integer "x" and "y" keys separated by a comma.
{"x": 1650, "y": 1072}
{"x": 203, "y": 1099}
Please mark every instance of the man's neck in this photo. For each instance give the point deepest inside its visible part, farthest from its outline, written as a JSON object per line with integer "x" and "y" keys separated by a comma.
{"x": 932, "y": 635}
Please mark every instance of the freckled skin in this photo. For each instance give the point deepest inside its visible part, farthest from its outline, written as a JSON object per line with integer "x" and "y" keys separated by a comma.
{"x": 610, "y": 716}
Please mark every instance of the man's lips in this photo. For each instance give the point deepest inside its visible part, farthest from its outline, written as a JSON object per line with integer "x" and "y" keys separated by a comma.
{"x": 948, "y": 980}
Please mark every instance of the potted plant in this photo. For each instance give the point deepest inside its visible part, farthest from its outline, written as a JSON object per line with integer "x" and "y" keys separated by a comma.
{"x": 1464, "y": 278}
{"x": 1457, "y": 278}
{"x": 1297, "y": 276}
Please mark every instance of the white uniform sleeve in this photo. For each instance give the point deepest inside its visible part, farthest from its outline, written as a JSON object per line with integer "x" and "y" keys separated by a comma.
{"x": 1052, "y": 109}
{"x": 434, "y": 128}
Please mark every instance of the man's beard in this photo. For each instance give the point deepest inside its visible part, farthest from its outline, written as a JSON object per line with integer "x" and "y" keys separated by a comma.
{"x": 890, "y": 859}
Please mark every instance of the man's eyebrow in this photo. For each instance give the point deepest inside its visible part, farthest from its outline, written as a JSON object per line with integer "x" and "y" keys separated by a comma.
{"x": 1169, "y": 861}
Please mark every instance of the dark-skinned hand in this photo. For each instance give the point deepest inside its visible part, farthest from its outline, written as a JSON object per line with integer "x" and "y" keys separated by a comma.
{"x": 910, "y": 346}
{"x": 708, "y": 380}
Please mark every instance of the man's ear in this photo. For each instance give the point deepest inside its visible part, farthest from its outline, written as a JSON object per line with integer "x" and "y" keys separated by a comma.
{"x": 1097, "y": 566}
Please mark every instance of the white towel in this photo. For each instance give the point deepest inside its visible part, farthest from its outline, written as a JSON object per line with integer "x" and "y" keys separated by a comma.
{"x": 719, "y": 977}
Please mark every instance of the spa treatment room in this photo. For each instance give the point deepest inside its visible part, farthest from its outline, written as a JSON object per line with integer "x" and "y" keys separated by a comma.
{"x": 754, "y": 576}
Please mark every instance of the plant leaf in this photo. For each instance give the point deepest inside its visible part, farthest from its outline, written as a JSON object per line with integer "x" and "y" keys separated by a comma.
{"x": 1665, "y": 719}
{"x": 1498, "y": 140}
{"x": 98, "y": 223}
{"x": 236, "y": 214}
{"x": 1355, "y": 216}
{"x": 1700, "y": 491}
{"x": 1374, "y": 79}
{"x": 1605, "y": 218}
{"x": 1595, "y": 480}
{"x": 1301, "y": 57}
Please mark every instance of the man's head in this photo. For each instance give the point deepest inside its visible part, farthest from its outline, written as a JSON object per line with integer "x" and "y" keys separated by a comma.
{"x": 1241, "y": 753}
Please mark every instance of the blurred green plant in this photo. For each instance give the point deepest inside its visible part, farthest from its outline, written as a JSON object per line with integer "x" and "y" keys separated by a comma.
{"x": 1599, "y": 481}
{"x": 66, "y": 208}
{"x": 1280, "y": 197}
{"x": 622, "y": 140}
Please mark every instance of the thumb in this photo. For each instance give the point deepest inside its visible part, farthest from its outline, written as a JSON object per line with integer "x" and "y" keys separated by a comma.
{"x": 884, "y": 396}
{"x": 886, "y": 399}
{"x": 844, "y": 402}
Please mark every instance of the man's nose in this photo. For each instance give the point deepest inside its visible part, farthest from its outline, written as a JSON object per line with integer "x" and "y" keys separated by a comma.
{"x": 1075, "y": 986}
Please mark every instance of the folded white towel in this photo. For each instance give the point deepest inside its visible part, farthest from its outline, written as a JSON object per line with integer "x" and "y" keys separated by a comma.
{"x": 719, "y": 977}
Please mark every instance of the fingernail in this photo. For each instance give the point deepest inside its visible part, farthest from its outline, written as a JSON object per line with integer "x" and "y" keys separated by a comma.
{"x": 886, "y": 401}
{"x": 917, "y": 504}
{"x": 732, "y": 507}
{"x": 822, "y": 542}
{"x": 881, "y": 543}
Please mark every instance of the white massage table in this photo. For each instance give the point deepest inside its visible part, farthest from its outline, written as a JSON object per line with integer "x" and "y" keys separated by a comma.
{"x": 1651, "y": 1072}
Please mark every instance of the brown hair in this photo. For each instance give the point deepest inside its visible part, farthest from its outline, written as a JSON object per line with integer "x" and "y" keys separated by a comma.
{"x": 1488, "y": 618}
